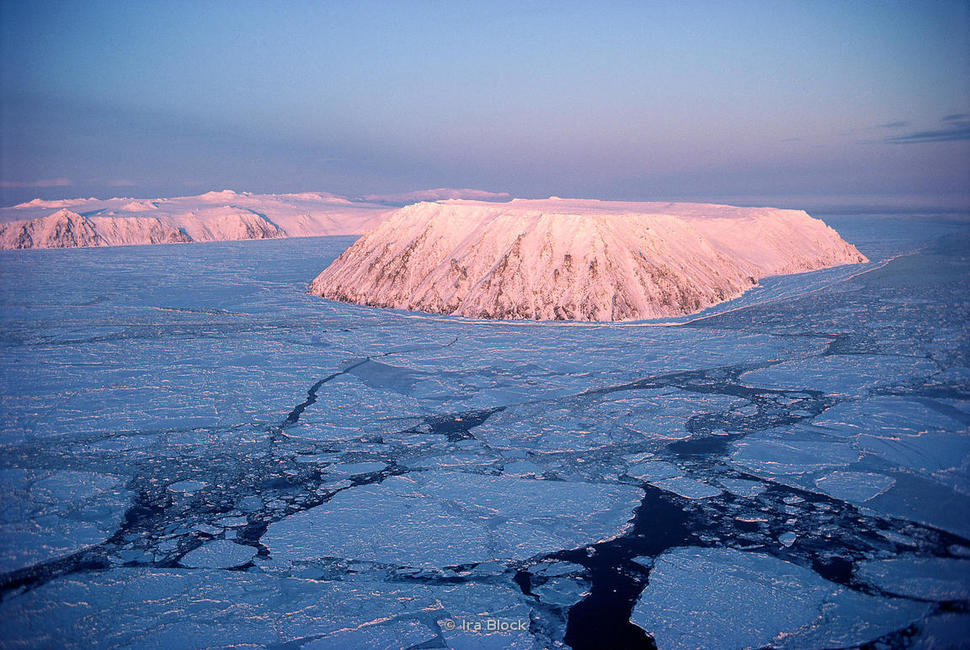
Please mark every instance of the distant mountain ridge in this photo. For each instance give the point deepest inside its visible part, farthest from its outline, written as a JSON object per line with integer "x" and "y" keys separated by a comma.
{"x": 583, "y": 260}
{"x": 213, "y": 216}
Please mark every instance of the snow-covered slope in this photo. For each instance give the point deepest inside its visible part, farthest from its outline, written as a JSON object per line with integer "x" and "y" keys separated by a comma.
{"x": 214, "y": 216}
{"x": 61, "y": 229}
{"x": 575, "y": 259}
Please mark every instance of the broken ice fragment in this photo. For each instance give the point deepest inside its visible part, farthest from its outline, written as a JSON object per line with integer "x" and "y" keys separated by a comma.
{"x": 687, "y": 487}
{"x": 354, "y": 469}
{"x": 742, "y": 487}
{"x": 218, "y": 554}
{"x": 48, "y": 514}
{"x": 439, "y": 519}
{"x": 932, "y": 578}
{"x": 724, "y": 598}
{"x": 855, "y": 487}
{"x": 787, "y": 539}
{"x": 187, "y": 487}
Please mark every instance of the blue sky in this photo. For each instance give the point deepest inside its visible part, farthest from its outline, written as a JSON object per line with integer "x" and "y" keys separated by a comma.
{"x": 801, "y": 103}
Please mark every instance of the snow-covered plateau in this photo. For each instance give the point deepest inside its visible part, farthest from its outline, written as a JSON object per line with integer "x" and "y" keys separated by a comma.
{"x": 214, "y": 216}
{"x": 195, "y": 453}
{"x": 583, "y": 260}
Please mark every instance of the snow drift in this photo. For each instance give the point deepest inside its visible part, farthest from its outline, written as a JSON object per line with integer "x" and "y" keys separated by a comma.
{"x": 583, "y": 260}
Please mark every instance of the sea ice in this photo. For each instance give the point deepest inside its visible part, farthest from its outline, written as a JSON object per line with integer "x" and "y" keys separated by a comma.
{"x": 791, "y": 451}
{"x": 187, "y": 487}
{"x": 653, "y": 470}
{"x": 218, "y": 554}
{"x": 942, "y": 632}
{"x": 650, "y": 417}
{"x": 886, "y": 416}
{"x": 448, "y": 461}
{"x": 438, "y": 519}
{"x": 923, "y": 476}
{"x": 166, "y": 608}
{"x": 855, "y": 487}
{"x": 386, "y": 377}
{"x": 941, "y": 456}
{"x": 51, "y": 513}
{"x": 742, "y": 487}
{"x": 841, "y": 374}
{"x": 392, "y": 635}
{"x": 522, "y": 468}
{"x": 723, "y": 598}
{"x": 445, "y": 407}
{"x": 929, "y": 578}
{"x": 788, "y": 538}
{"x": 687, "y": 487}
{"x": 354, "y": 469}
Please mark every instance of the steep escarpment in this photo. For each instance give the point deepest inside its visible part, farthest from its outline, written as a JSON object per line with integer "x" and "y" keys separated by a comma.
{"x": 581, "y": 260}
{"x": 67, "y": 229}
{"x": 61, "y": 229}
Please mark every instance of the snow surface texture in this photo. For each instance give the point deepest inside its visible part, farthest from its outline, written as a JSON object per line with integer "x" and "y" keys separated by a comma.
{"x": 579, "y": 260}
{"x": 214, "y": 216}
{"x": 179, "y": 424}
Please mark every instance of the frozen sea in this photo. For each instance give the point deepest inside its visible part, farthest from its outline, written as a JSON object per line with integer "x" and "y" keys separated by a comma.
{"x": 197, "y": 454}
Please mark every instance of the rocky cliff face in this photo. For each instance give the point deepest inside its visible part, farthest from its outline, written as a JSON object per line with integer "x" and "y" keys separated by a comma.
{"x": 574, "y": 259}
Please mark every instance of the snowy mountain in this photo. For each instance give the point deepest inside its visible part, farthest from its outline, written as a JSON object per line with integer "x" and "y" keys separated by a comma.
{"x": 214, "y": 216}
{"x": 585, "y": 260}
{"x": 61, "y": 229}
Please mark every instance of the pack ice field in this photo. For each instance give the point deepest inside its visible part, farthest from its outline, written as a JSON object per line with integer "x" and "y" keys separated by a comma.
{"x": 197, "y": 453}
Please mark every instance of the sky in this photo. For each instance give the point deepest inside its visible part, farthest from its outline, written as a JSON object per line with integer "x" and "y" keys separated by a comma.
{"x": 849, "y": 103}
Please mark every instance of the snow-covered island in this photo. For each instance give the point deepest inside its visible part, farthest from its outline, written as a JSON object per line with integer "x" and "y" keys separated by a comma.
{"x": 575, "y": 259}
{"x": 213, "y": 216}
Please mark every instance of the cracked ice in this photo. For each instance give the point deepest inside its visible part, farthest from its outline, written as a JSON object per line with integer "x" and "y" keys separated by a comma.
{"x": 197, "y": 453}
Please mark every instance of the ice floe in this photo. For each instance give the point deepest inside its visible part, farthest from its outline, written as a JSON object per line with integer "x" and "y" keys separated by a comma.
{"x": 218, "y": 554}
{"x": 52, "y": 513}
{"x": 187, "y": 486}
{"x": 443, "y": 519}
{"x": 841, "y": 374}
{"x": 723, "y": 598}
{"x": 791, "y": 451}
{"x": 503, "y": 447}
{"x": 929, "y": 578}
{"x": 687, "y": 487}
{"x": 856, "y": 487}
{"x": 206, "y": 608}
